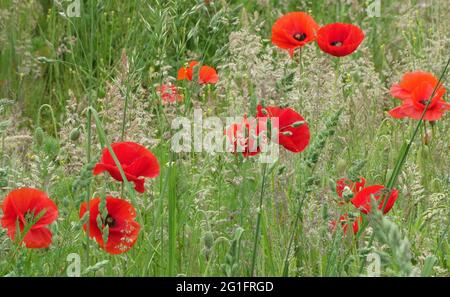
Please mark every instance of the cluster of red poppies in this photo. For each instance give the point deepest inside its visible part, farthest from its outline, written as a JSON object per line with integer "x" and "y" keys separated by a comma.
{"x": 360, "y": 196}
{"x": 30, "y": 211}
{"x": 206, "y": 75}
{"x": 296, "y": 29}
{"x": 27, "y": 212}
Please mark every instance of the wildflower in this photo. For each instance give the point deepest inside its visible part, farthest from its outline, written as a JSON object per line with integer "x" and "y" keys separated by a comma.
{"x": 122, "y": 229}
{"x": 415, "y": 90}
{"x": 294, "y": 30}
{"x": 346, "y": 188}
{"x": 135, "y": 160}
{"x": 24, "y": 207}
{"x": 339, "y": 39}
{"x": 206, "y": 74}
{"x": 345, "y": 220}
{"x": 362, "y": 199}
{"x": 244, "y": 137}
{"x": 169, "y": 94}
{"x": 293, "y": 131}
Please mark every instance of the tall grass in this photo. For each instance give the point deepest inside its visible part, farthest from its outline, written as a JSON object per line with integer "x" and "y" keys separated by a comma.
{"x": 221, "y": 215}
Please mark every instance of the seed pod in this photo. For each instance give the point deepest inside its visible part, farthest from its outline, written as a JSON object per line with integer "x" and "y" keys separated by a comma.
{"x": 75, "y": 134}
{"x": 209, "y": 240}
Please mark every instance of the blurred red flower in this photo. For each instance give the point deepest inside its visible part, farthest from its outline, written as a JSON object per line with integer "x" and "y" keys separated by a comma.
{"x": 293, "y": 131}
{"x": 345, "y": 221}
{"x": 169, "y": 93}
{"x": 294, "y": 30}
{"x": 244, "y": 137}
{"x": 362, "y": 199}
{"x": 339, "y": 39}
{"x": 415, "y": 90}
{"x": 206, "y": 74}
{"x": 123, "y": 230}
{"x": 136, "y": 162}
{"x": 25, "y": 206}
{"x": 353, "y": 186}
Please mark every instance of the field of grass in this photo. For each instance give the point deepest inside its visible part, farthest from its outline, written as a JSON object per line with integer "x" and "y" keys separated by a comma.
{"x": 71, "y": 85}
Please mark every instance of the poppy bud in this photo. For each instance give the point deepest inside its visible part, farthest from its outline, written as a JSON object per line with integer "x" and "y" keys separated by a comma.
{"x": 340, "y": 166}
{"x": 209, "y": 240}
{"x": 39, "y": 135}
{"x": 75, "y": 134}
{"x": 101, "y": 92}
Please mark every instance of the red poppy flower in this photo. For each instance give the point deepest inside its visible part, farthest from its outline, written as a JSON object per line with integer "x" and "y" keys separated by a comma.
{"x": 415, "y": 90}
{"x": 339, "y": 39}
{"x": 244, "y": 137}
{"x": 24, "y": 206}
{"x": 294, "y": 30}
{"x": 206, "y": 74}
{"x": 354, "y": 186}
{"x": 136, "y": 162}
{"x": 345, "y": 221}
{"x": 123, "y": 230}
{"x": 362, "y": 199}
{"x": 169, "y": 93}
{"x": 293, "y": 132}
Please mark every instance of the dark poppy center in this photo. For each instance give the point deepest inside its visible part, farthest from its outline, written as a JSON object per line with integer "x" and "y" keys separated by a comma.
{"x": 336, "y": 43}
{"x": 424, "y": 102}
{"x": 110, "y": 221}
{"x": 299, "y": 36}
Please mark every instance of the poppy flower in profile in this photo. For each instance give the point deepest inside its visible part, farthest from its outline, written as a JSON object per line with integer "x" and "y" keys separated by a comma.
{"x": 123, "y": 230}
{"x": 244, "y": 137}
{"x": 339, "y": 39}
{"x": 26, "y": 206}
{"x": 353, "y": 188}
{"x": 293, "y": 131}
{"x": 294, "y": 30}
{"x": 345, "y": 221}
{"x": 206, "y": 74}
{"x": 137, "y": 163}
{"x": 415, "y": 90}
{"x": 169, "y": 94}
{"x": 362, "y": 199}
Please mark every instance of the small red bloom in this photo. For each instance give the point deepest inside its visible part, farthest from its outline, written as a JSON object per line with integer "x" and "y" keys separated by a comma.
{"x": 339, "y": 39}
{"x": 294, "y": 30}
{"x": 244, "y": 137}
{"x": 354, "y": 186}
{"x": 293, "y": 131}
{"x": 136, "y": 162}
{"x": 362, "y": 199}
{"x": 123, "y": 230}
{"x": 206, "y": 74}
{"x": 169, "y": 93}
{"x": 345, "y": 221}
{"x": 22, "y": 207}
{"x": 415, "y": 90}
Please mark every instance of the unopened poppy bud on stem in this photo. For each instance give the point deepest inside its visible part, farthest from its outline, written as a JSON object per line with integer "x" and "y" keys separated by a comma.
{"x": 75, "y": 134}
